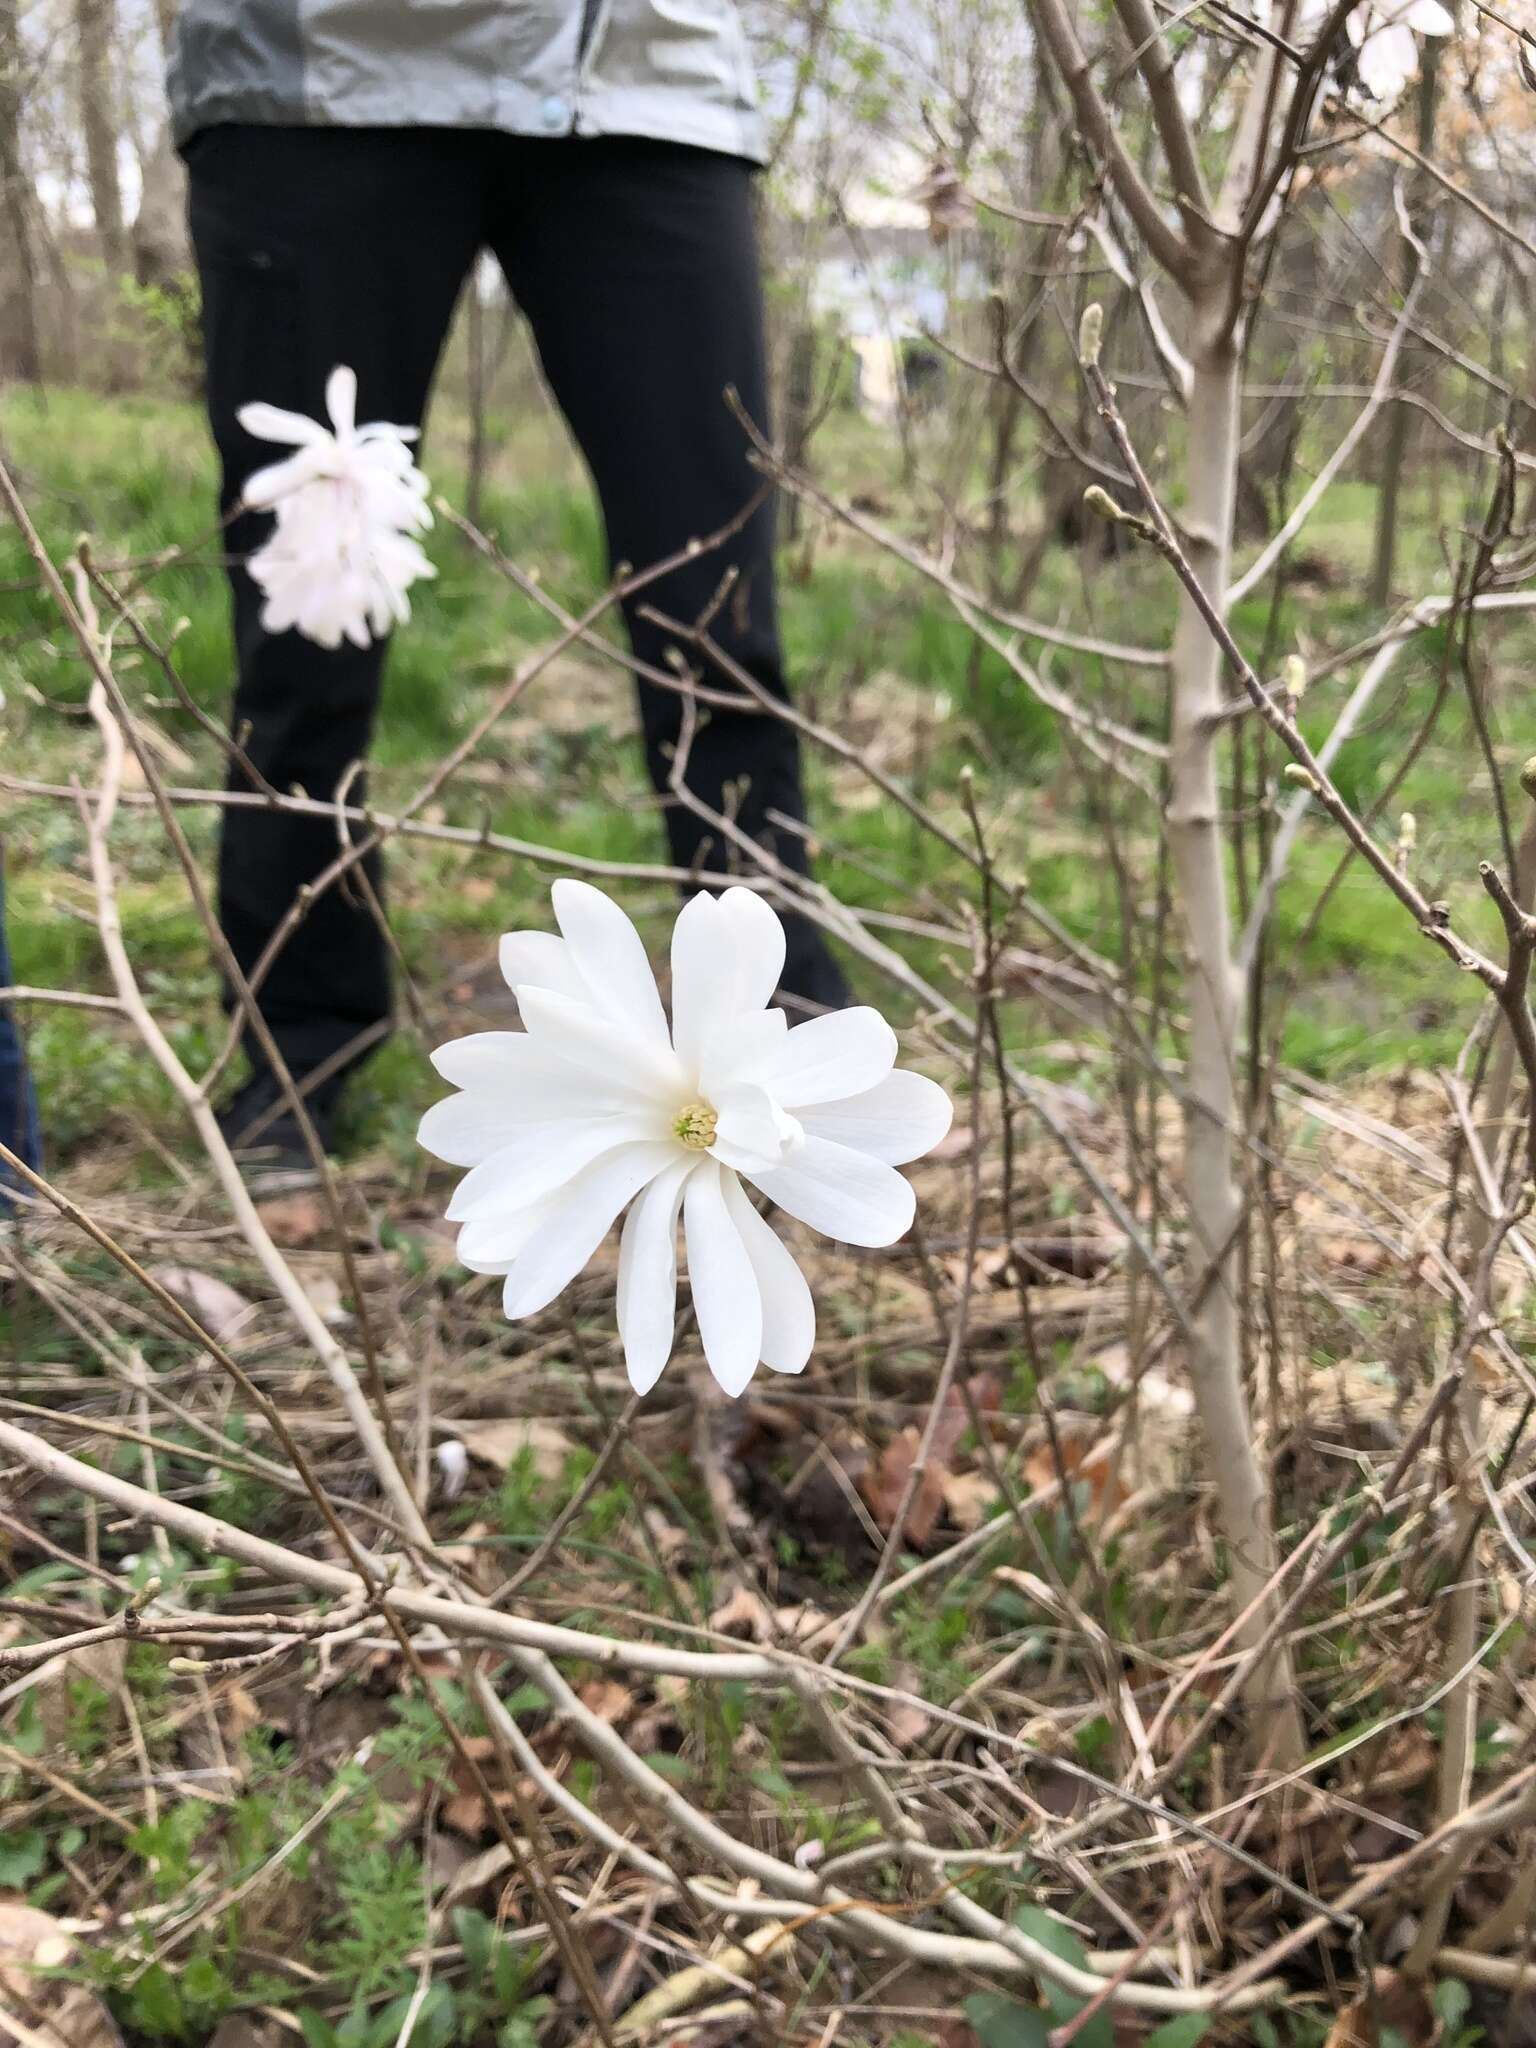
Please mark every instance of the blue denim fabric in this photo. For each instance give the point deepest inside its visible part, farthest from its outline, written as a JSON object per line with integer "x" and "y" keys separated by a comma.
{"x": 18, "y": 1104}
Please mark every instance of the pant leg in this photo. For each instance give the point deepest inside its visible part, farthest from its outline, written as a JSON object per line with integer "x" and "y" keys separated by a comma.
{"x": 18, "y": 1104}
{"x": 636, "y": 263}
{"x": 316, "y": 246}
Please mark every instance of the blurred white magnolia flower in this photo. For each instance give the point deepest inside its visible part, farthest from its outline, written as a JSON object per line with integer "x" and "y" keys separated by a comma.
{"x": 1384, "y": 34}
{"x": 341, "y": 555}
{"x": 597, "y": 1106}
{"x": 452, "y": 1467}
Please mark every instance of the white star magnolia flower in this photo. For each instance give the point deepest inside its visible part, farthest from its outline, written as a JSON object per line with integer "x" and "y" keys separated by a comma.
{"x": 1383, "y": 33}
{"x": 340, "y": 558}
{"x": 597, "y": 1106}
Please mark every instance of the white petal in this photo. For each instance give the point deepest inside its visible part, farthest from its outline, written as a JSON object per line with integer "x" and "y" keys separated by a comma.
{"x": 577, "y": 1224}
{"x": 647, "y": 1304}
{"x": 1388, "y": 58}
{"x": 698, "y": 985}
{"x": 727, "y": 956}
{"x": 490, "y": 1244}
{"x": 842, "y": 1193}
{"x": 581, "y": 1035}
{"x": 830, "y": 1057}
{"x": 275, "y": 484}
{"x": 542, "y": 961}
{"x": 336, "y": 565}
{"x": 376, "y": 435}
{"x": 744, "y": 1048}
{"x": 540, "y": 1158}
{"x": 789, "y": 1314}
{"x": 465, "y": 1129}
{"x": 757, "y": 931}
{"x": 900, "y": 1118}
{"x": 609, "y": 955}
{"x": 753, "y": 1132}
{"x": 276, "y": 423}
{"x": 724, "y": 1283}
{"x": 514, "y": 1074}
{"x": 341, "y": 400}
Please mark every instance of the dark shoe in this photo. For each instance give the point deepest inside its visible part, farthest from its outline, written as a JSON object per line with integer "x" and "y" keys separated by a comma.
{"x": 260, "y": 1128}
{"x": 812, "y": 982}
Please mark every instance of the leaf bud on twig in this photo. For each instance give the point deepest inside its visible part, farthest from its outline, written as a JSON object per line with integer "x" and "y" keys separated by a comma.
{"x": 1090, "y": 334}
{"x": 1097, "y": 499}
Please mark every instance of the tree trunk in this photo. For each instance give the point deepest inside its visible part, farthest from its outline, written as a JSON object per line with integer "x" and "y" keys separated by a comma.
{"x": 166, "y": 12}
{"x": 94, "y": 30}
{"x": 1399, "y": 418}
{"x": 20, "y": 350}
{"x": 1211, "y": 1116}
{"x": 799, "y": 414}
{"x": 1499, "y": 1088}
{"x": 161, "y": 255}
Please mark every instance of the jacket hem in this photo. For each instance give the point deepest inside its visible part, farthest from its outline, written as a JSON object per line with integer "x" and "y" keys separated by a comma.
{"x": 728, "y": 134}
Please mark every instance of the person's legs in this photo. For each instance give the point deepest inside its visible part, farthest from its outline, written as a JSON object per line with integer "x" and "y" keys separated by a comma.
{"x": 636, "y": 263}
{"x": 18, "y": 1105}
{"x": 316, "y": 247}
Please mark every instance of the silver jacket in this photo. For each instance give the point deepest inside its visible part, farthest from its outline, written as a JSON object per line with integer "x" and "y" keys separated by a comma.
{"x": 679, "y": 70}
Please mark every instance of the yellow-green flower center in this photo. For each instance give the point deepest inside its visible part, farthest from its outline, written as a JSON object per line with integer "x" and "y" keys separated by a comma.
{"x": 695, "y": 1126}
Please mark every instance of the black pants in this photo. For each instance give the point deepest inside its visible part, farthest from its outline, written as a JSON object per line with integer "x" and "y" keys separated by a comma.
{"x": 635, "y": 263}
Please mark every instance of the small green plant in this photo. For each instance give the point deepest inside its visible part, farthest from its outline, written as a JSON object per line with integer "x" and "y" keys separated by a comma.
{"x": 491, "y": 2004}
{"x": 171, "y": 310}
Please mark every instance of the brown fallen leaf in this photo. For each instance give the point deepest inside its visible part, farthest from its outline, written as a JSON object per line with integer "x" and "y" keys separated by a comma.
{"x": 1357, "y": 1255}
{"x": 985, "y": 1393}
{"x": 295, "y": 1220}
{"x": 474, "y": 1557}
{"x": 1392, "y": 2002}
{"x": 610, "y": 1701}
{"x": 59, "y": 2014}
{"x": 244, "y": 2030}
{"x": 884, "y": 1487}
{"x": 969, "y": 1498}
{"x": 325, "y": 1298}
{"x": 471, "y": 1874}
{"x": 467, "y": 1814}
{"x": 220, "y": 1308}
{"x": 669, "y": 1539}
{"x": 747, "y": 1613}
{"x": 501, "y": 1441}
{"x": 1083, "y": 1463}
{"x": 884, "y": 1483}
{"x": 799, "y": 1624}
{"x": 908, "y": 1720}
{"x": 466, "y": 1810}
{"x": 744, "y": 1613}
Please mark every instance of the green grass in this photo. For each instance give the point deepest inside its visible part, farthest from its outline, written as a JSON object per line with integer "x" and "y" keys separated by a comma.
{"x": 137, "y": 473}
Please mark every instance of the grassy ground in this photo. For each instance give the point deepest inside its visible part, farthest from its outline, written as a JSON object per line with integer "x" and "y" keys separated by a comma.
{"x": 346, "y": 1794}
{"x": 874, "y": 651}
